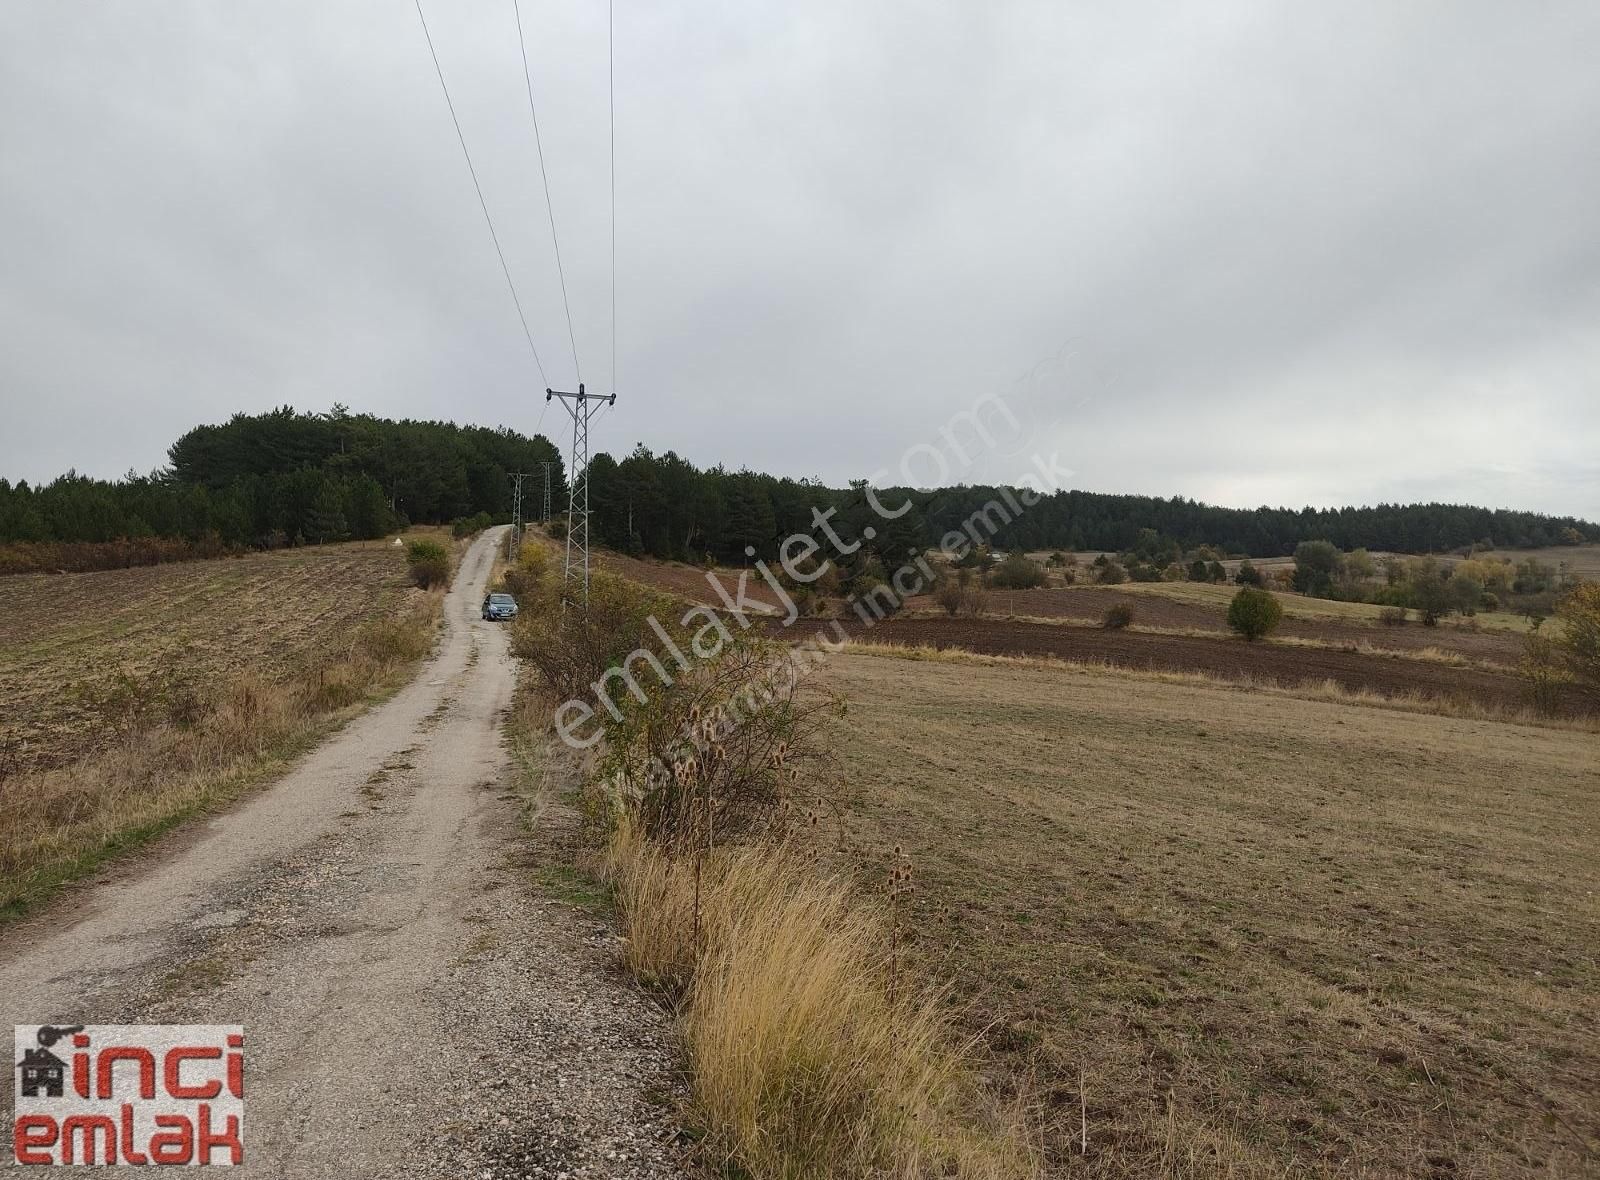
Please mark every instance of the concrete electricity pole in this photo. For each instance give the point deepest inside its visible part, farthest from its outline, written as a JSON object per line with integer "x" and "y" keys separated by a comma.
{"x": 582, "y": 406}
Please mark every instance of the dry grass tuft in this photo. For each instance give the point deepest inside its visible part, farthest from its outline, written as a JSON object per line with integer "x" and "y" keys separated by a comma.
{"x": 805, "y": 1061}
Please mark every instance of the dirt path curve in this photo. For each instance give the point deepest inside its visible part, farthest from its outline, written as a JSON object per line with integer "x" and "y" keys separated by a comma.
{"x": 410, "y": 1007}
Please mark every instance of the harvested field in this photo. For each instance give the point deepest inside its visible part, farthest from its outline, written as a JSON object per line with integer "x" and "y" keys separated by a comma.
{"x": 1224, "y": 657}
{"x": 1208, "y": 611}
{"x": 81, "y": 654}
{"x": 1224, "y": 934}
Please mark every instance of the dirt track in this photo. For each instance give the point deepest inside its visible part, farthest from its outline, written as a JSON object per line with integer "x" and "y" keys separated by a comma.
{"x": 411, "y": 1007}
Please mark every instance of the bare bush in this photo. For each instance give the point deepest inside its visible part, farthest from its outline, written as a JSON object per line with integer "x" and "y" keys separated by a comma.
{"x": 571, "y": 649}
{"x": 730, "y": 749}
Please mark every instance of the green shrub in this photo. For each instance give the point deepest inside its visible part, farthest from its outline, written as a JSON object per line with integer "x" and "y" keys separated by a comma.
{"x": 1248, "y": 575}
{"x": 1254, "y": 613}
{"x": 1110, "y": 573}
{"x": 1117, "y": 617}
{"x": 429, "y": 562}
{"x": 1018, "y": 572}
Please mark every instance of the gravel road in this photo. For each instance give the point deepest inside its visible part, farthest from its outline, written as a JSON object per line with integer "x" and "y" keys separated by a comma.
{"x": 412, "y": 1005}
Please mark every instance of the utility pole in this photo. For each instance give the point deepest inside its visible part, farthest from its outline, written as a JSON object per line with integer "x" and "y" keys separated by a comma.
{"x": 582, "y": 406}
{"x": 514, "y": 538}
{"x": 546, "y": 466}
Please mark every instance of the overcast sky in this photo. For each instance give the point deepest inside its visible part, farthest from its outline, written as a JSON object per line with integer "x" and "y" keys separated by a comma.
{"x": 1281, "y": 253}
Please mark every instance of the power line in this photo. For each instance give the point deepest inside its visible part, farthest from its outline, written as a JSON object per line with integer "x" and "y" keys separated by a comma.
{"x": 527, "y": 76}
{"x": 610, "y": 51}
{"x": 482, "y": 204}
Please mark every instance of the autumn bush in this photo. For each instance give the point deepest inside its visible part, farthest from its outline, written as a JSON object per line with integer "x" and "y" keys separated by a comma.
{"x": 1579, "y": 613}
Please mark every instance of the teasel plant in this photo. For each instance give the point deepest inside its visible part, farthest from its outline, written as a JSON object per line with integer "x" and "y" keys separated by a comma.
{"x": 900, "y": 889}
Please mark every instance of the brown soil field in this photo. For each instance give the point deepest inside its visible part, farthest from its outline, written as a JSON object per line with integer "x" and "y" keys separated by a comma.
{"x": 1226, "y": 657}
{"x": 83, "y": 653}
{"x": 1153, "y": 609}
{"x": 1209, "y": 933}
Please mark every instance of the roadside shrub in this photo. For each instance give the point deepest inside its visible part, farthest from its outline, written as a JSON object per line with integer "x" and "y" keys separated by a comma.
{"x": 1394, "y": 616}
{"x": 429, "y": 563}
{"x": 470, "y": 526}
{"x": 571, "y": 649}
{"x": 525, "y": 580}
{"x": 1017, "y": 572}
{"x": 728, "y": 750}
{"x": 1254, "y": 613}
{"x": 1117, "y": 617}
{"x": 557, "y": 529}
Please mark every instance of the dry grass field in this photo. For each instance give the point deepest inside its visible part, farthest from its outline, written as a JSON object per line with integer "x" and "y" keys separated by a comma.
{"x": 1222, "y": 933}
{"x": 79, "y": 653}
{"x": 133, "y": 698}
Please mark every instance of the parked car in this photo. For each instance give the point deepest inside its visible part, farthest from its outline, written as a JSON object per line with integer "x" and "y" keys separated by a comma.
{"x": 498, "y": 608}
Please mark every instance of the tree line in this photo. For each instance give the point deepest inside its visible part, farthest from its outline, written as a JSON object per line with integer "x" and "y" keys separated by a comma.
{"x": 664, "y": 506}
{"x": 286, "y": 477}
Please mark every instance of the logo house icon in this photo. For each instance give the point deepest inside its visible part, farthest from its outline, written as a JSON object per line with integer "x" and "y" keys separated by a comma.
{"x": 43, "y": 1073}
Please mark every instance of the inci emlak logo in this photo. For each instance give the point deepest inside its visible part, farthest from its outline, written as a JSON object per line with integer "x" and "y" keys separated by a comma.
{"x": 129, "y": 1094}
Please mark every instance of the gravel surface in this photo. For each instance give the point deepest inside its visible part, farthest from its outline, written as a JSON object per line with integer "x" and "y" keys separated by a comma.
{"x": 413, "y": 1006}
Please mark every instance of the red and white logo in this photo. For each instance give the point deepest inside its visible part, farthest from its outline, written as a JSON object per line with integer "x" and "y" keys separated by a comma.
{"x": 129, "y": 1094}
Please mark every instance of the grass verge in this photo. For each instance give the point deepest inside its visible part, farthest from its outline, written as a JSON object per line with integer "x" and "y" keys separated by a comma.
{"x": 813, "y": 1052}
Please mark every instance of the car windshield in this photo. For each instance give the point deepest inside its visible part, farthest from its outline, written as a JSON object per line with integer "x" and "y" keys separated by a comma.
{"x": 502, "y": 600}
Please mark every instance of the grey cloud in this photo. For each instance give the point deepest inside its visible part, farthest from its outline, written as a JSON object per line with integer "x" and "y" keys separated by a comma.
{"x": 1288, "y": 253}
